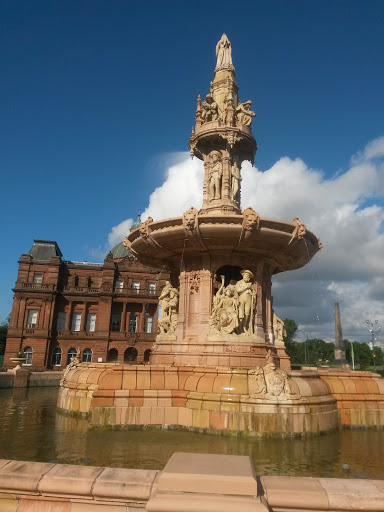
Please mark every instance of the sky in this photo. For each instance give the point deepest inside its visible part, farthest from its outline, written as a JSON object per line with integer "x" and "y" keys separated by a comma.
{"x": 97, "y": 104}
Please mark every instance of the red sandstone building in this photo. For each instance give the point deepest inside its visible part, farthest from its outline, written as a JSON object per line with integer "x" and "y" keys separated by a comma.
{"x": 107, "y": 310}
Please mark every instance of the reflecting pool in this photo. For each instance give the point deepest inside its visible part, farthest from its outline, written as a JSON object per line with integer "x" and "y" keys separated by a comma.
{"x": 31, "y": 429}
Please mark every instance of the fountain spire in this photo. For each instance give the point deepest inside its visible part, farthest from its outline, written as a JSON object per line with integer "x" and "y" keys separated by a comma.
{"x": 222, "y": 137}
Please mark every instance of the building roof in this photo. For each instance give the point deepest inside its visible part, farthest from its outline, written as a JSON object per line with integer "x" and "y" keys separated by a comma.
{"x": 119, "y": 251}
{"x": 137, "y": 223}
{"x": 44, "y": 250}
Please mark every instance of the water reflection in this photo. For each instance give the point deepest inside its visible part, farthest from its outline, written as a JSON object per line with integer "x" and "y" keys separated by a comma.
{"x": 32, "y": 430}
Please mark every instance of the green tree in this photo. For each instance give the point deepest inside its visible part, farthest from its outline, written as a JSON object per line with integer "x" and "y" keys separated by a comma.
{"x": 363, "y": 354}
{"x": 379, "y": 356}
{"x": 3, "y": 334}
{"x": 291, "y": 329}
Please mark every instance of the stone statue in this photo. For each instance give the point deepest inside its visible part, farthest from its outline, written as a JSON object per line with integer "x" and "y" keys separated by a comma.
{"x": 299, "y": 230}
{"x": 279, "y": 330}
{"x": 244, "y": 113}
{"x": 236, "y": 178}
{"x": 224, "y": 55}
{"x": 247, "y": 301}
{"x": 168, "y": 301}
{"x": 210, "y": 110}
{"x": 225, "y": 309}
{"x": 215, "y": 175}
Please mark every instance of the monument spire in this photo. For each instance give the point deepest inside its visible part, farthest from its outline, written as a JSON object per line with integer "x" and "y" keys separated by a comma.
{"x": 340, "y": 357}
{"x": 222, "y": 137}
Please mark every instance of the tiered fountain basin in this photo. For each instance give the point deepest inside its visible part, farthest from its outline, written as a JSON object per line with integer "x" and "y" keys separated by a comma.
{"x": 166, "y": 241}
{"x": 218, "y": 400}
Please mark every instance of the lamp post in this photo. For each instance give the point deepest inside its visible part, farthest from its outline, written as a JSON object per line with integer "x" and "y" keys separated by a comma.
{"x": 373, "y": 333}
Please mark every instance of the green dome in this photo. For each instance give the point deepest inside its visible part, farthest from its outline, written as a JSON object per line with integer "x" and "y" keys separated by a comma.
{"x": 119, "y": 251}
{"x": 136, "y": 224}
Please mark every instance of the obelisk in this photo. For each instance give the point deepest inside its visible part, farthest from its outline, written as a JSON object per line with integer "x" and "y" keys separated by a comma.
{"x": 340, "y": 357}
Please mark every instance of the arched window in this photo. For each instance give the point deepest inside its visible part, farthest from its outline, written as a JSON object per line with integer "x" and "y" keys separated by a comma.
{"x": 112, "y": 355}
{"x": 56, "y": 357}
{"x": 28, "y": 352}
{"x": 130, "y": 354}
{"x": 71, "y": 353}
{"x": 87, "y": 355}
{"x": 147, "y": 353}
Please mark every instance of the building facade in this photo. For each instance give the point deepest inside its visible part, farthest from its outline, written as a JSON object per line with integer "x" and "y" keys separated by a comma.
{"x": 106, "y": 310}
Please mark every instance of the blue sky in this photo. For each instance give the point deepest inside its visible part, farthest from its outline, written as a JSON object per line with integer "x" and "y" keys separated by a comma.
{"x": 98, "y": 95}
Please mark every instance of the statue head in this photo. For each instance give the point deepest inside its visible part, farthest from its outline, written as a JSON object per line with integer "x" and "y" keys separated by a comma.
{"x": 247, "y": 105}
{"x": 247, "y": 275}
{"x": 215, "y": 156}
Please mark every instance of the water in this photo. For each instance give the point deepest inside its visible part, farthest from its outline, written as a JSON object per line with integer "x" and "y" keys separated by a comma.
{"x": 31, "y": 429}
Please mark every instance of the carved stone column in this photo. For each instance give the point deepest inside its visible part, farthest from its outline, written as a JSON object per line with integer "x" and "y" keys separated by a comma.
{"x": 83, "y": 317}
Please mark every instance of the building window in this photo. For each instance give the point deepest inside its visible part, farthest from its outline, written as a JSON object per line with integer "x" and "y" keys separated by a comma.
{"x": 72, "y": 352}
{"x": 136, "y": 287}
{"x": 152, "y": 288}
{"x": 87, "y": 355}
{"x": 91, "y": 322}
{"x": 132, "y": 322}
{"x": 112, "y": 355}
{"x": 147, "y": 353}
{"x": 28, "y": 352}
{"x": 60, "y": 324}
{"x": 149, "y": 324}
{"x": 56, "y": 357}
{"x": 119, "y": 285}
{"x": 32, "y": 318}
{"x": 115, "y": 323}
{"x": 37, "y": 278}
{"x": 76, "y": 321}
{"x": 130, "y": 354}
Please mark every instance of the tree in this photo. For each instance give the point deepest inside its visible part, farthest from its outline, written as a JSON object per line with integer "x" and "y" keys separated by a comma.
{"x": 3, "y": 334}
{"x": 291, "y": 329}
{"x": 379, "y": 356}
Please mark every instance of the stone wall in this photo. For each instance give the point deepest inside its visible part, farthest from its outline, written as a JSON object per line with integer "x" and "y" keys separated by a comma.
{"x": 23, "y": 378}
{"x": 188, "y": 483}
{"x": 209, "y": 399}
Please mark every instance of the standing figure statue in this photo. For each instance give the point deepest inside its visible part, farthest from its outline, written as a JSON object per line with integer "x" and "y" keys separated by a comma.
{"x": 224, "y": 55}
{"x": 279, "y": 330}
{"x": 244, "y": 113}
{"x": 236, "y": 178}
{"x": 168, "y": 300}
{"x": 210, "y": 110}
{"x": 215, "y": 175}
{"x": 247, "y": 302}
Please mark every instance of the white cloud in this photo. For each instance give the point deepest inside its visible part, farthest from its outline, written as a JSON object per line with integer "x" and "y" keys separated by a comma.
{"x": 346, "y": 212}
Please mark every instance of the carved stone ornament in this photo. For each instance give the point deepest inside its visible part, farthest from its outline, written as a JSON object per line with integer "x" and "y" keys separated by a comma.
{"x": 279, "y": 330}
{"x": 75, "y": 360}
{"x": 144, "y": 228}
{"x": 133, "y": 338}
{"x": 210, "y": 110}
{"x": 270, "y": 382}
{"x": 231, "y": 137}
{"x": 233, "y": 307}
{"x": 224, "y": 55}
{"x": 168, "y": 302}
{"x": 194, "y": 282}
{"x": 244, "y": 113}
{"x": 299, "y": 230}
{"x": 190, "y": 219}
{"x": 251, "y": 221}
{"x": 319, "y": 244}
{"x": 215, "y": 174}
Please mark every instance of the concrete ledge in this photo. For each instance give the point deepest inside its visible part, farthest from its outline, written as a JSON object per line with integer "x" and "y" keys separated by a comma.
{"x": 188, "y": 483}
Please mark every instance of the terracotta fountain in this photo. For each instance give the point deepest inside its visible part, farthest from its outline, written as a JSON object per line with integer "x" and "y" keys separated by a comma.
{"x": 218, "y": 363}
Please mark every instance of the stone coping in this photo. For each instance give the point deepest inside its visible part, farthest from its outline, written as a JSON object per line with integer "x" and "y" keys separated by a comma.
{"x": 189, "y": 483}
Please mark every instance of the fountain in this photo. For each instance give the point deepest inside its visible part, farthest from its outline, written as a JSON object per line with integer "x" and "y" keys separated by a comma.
{"x": 218, "y": 363}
